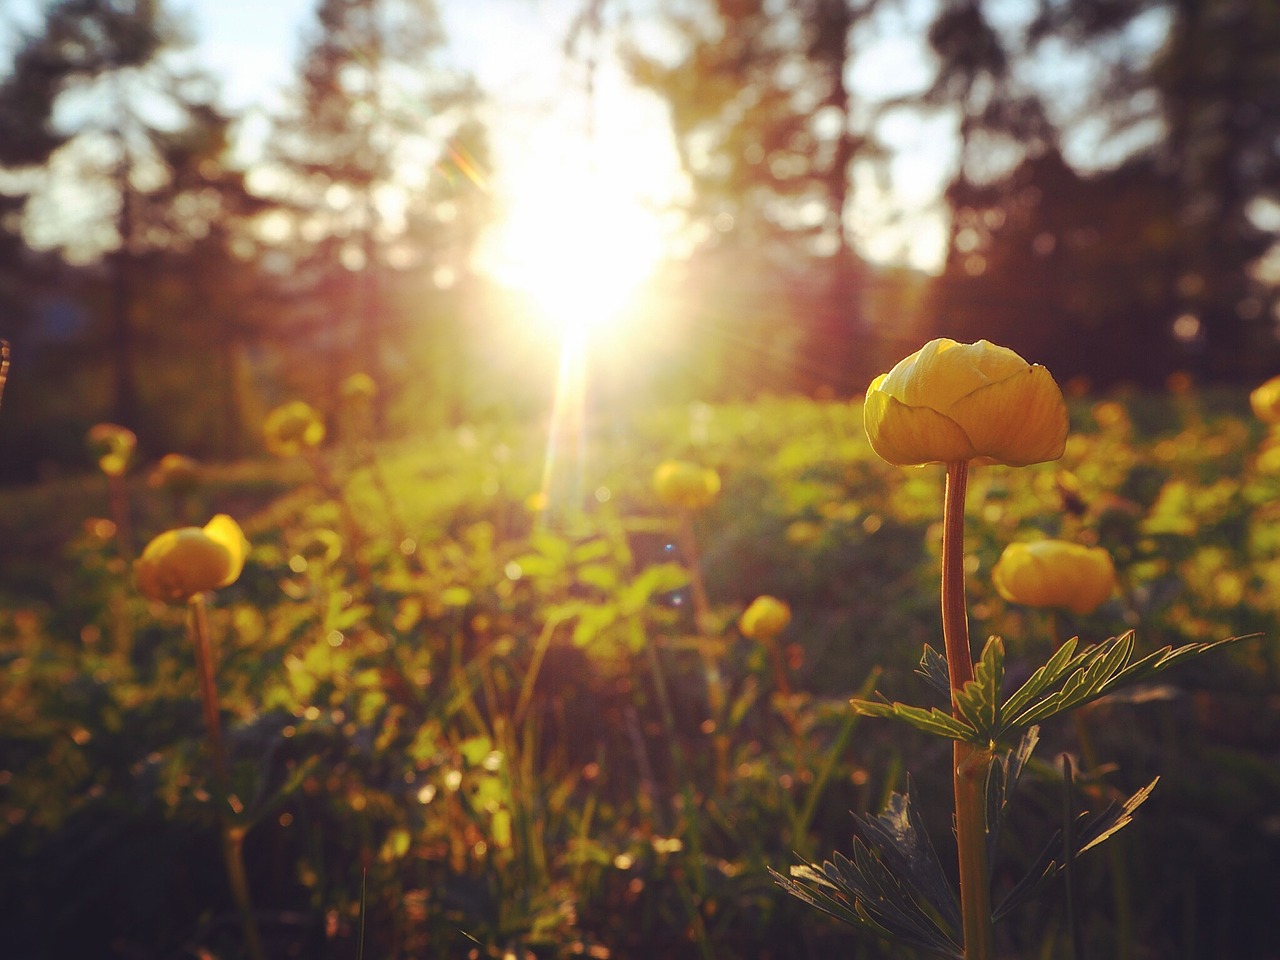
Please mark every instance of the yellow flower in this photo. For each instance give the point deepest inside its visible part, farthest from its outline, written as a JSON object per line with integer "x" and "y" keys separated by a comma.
{"x": 292, "y": 428}
{"x": 359, "y": 388}
{"x": 181, "y": 563}
{"x": 1055, "y": 573}
{"x": 1265, "y": 401}
{"x": 114, "y": 446}
{"x": 1268, "y": 456}
{"x": 176, "y": 473}
{"x": 765, "y": 618}
{"x": 686, "y": 485}
{"x": 965, "y": 401}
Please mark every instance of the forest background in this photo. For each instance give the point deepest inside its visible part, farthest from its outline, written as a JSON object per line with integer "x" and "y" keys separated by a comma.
{"x": 1110, "y": 208}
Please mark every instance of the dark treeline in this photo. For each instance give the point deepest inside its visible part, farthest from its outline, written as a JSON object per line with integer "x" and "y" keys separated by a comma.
{"x": 1113, "y": 203}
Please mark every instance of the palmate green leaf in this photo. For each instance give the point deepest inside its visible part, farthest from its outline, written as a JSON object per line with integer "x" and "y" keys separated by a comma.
{"x": 979, "y": 700}
{"x": 865, "y": 893}
{"x": 1002, "y": 780}
{"x": 932, "y": 720}
{"x": 1087, "y": 676}
{"x": 898, "y": 836}
{"x": 933, "y": 667}
{"x": 1068, "y": 680}
{"x": 1089, "y": 833}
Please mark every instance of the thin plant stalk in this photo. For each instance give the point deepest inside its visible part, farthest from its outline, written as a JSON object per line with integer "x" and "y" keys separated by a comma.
{"x": 969, "y": 763}
{"x": 1118, "y": 868}
{"x": 232, "y": 834}
{"x": 697, "y": 587}
{"x": 693, "y": 830}
{"x": 118, "y": 496}
{"x": 716, "y": 696}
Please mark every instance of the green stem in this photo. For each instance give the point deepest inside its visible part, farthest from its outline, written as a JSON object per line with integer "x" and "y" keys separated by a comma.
{"x": 118, "y": 494}
{"x": 970, "y": 763}
{"x": 697, "y": 587}
{"x": 716, "y": 695}
{"x": 232, "y": 835}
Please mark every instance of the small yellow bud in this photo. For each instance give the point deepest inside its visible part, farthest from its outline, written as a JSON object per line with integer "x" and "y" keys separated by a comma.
{"x": 114, "y": 447}
{"x": 765, "y": 618}
{"x": 179, "y": 564}
{"x": 1055, "y": 573}
{"x": 1265, "y": 401}
{"x": 291, "y": 428}
{"x": 176, "y": 473}
{"x": 951, "y": 401}
{"x": 359, "y": 388}
{"x": 686, "y": 485}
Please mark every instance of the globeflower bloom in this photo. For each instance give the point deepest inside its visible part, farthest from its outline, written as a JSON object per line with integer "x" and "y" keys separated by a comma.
{"x": 291, "y": 428}
{"x": 765, "y": 618}
{"x": 1265, "y": 401}
{"x": 1055, "y": 573}
{"x": 686, "y": 485}
{"x": 950, "y": 402}
{"x": 176, "y": 473}
{"x": 359, "y": 388}
{"x": 180, "y": 564}
{"x": 114, "y": 447}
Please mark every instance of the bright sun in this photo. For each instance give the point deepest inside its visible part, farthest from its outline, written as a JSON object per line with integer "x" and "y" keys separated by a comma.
{"x": 578, "y": 245}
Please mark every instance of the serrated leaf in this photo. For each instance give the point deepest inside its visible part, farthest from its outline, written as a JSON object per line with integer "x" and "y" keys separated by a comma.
{"x": 863, "y": 893}
{"x": 1002, "y": 780}
{"x": 899, "y": 836}
{"x": 932, "y": 720}
{"x": 1042, "y": 679}
{"x": 979, "y": 700}
{"x": 1113, "y": 819}
{"x": 1089, "y": 833}
{"x": 1094, "y": 673}
{"x": 933, "y": 667}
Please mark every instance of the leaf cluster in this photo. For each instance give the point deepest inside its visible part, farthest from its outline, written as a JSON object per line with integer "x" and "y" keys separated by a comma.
{"x": 1069, "y": 679}
{"x": 894, "y": 886}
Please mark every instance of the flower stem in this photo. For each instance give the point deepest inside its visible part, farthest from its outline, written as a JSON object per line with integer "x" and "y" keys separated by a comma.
{"x": 232, "y": 835}
{"x": 970, "y": 763}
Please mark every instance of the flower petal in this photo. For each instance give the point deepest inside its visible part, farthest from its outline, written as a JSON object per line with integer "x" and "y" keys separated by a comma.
{"x": 225, "y": 531}
{"x": 1019, "y": 420}
{"x": 911, "y": 436}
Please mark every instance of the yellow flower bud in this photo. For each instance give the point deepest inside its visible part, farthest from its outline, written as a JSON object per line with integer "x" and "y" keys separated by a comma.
{"x": 1055, "y": 573}
{"x": 291, "y": 428}
{"x": 765, "y": 618}
{"x": 181, "y": 563}
{"x": 114, "y": 446}
{"x": 1265, "y": 401}
{"x": 359, "y": 388}
{"x": 965, "y": 401}
{"x": 686, "y": 485}
{"x": 176, "y": 473}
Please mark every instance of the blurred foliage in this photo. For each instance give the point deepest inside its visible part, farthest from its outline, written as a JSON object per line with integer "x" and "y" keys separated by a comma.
{"x": 499, "y": 709}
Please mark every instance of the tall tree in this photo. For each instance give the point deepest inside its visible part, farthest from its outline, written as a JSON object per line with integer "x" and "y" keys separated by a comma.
{"x": 1154, "y": 236}
{"x": 375, "y": 114}
{"x": 93, "y": 98}
{"x": 766, "y": 126}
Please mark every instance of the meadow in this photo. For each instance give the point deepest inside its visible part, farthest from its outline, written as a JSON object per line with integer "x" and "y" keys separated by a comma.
{"x": 486, "y": 696}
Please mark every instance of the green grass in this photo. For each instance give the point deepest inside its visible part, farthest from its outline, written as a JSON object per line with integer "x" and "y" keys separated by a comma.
{"x": 503, "y": 720}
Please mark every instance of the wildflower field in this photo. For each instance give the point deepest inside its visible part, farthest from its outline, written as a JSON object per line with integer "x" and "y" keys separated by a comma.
{"x": 479, "y": 695}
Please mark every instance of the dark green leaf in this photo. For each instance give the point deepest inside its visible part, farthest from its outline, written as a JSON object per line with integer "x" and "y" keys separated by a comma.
{"x": 899, "y": 836}
{"x": 933, "y": 667}
{"x": 932, "y": 721}
{"x": 979, "y": 701}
